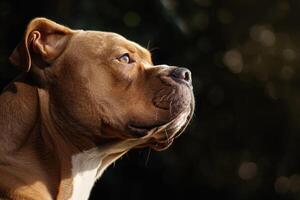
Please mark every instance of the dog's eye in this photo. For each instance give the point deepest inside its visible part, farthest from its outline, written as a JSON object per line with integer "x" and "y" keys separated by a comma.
{"x": 125, "y": 58}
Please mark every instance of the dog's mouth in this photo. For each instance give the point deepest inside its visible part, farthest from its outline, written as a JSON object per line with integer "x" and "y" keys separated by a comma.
{"x": 173, "y": 97}
{"x": 138, "y": 130}
{"x": 165, "y": 136}
{"x": 176, "y": 104}
{"x": 161, "y": 136}
{"x": 157, "y": 143}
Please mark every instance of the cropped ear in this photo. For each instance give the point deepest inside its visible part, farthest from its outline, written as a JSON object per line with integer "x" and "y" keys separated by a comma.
{"x": 43, "y": 37}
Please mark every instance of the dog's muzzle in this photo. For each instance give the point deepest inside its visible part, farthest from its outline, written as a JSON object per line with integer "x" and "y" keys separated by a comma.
{"x": 176, "y": 98}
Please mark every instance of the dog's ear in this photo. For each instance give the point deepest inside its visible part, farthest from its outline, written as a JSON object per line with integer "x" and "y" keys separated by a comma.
{"x": 42, "y": 37}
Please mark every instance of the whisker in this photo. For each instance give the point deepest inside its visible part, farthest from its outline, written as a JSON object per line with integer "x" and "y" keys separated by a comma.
{"x": 167, "y": 136}
{"x": 148, "y": 156}
{"x": 163, "y": 98}
{"x": 153, "y": 49}
{"x": 170, "y": 108}
{"x": 148, "y": 45}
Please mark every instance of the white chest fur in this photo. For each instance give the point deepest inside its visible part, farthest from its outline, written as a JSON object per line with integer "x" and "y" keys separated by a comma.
{"x": 85, "y": 168}
{"x": 88, "y": 166}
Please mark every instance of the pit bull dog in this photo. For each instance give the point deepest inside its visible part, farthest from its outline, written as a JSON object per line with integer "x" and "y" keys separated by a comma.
{"x": 85, "y": 99}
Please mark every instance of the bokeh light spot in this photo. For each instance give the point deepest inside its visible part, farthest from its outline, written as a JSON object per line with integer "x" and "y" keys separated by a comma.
{"x": 247, "y": 170}
{"x": 234, "y": 61}
{"x": 263, "y": 35}
{"x": 287, "y": 73}
{"x": 294, "y": 183}
{"x": 267, "y": 38}
{"x": 132, "y": 19}
{"x": 289, "y": 54}
{"x": 224, "y": 16}
{"x": 284, "y": 5}
{"x": 200, "y": 20}
{"x": 282, "y": 184}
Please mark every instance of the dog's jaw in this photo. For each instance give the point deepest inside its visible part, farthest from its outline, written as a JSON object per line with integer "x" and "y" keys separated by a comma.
{"x": 165, "y": 135}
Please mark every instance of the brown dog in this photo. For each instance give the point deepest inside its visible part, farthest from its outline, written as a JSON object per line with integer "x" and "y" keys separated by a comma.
{"x": 87, "y": 98}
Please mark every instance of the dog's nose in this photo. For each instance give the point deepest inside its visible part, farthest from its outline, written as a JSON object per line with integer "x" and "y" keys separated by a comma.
{"x": 181, "y": 74}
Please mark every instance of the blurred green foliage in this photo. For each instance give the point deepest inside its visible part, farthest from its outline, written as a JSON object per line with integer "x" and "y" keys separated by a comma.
{"x": 244, "y": 56}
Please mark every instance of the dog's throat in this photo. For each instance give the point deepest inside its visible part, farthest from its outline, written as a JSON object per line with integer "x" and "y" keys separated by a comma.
{"x": 88, "y": 166}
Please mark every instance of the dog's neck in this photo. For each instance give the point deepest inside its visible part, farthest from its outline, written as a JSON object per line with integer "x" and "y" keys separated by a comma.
{"x": 88, "y": 166}
{"x": 59, "y": 169}
{"x": 88, "y": 160}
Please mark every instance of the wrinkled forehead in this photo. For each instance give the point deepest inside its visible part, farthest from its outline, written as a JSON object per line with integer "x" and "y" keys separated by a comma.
{"x": 118, "y": 43}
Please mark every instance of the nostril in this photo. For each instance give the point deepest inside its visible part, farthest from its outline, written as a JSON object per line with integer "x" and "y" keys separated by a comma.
{"x": 181, "y": 74}
{"x": 187, "y": 76}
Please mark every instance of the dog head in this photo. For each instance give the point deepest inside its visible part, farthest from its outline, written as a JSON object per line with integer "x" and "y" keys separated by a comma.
{"x": 105, "y": 86}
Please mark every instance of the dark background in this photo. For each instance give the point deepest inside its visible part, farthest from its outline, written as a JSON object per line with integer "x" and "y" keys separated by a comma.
{"x": 244, "y": 56}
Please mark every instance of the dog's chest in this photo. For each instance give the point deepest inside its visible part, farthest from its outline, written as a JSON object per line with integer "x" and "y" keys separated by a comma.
{"x": 87, "y": 167}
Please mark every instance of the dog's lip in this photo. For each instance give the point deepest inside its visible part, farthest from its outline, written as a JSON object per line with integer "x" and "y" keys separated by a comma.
{"x": 139, "y": 130}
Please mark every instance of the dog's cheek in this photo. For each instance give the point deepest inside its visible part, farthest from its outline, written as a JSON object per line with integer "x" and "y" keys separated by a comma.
{"x": 73, "y": 104}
